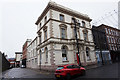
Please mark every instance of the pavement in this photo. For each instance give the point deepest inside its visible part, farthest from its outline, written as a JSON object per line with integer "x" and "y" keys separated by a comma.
{"x": 109, "y": 72}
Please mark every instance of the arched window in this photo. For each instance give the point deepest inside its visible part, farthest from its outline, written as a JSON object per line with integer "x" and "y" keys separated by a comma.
{"x": 88, "y": 53}
{"x": 63, "y": 31}
{"x": 64, "y": 53}
{"x": 46, "y": 54}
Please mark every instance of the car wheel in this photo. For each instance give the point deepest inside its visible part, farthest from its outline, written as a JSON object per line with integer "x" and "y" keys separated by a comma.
{"x": 68, "y": 77}
{"x": 83, "y": 72}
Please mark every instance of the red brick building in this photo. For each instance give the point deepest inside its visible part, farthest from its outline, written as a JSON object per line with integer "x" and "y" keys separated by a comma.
{"x": 113, "y": 37}
{"x": 110, "y": 40}
{"x": 24, "y": 50}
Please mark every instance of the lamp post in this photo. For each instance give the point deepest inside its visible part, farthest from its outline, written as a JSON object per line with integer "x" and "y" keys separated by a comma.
{"x": 75, "y": 29}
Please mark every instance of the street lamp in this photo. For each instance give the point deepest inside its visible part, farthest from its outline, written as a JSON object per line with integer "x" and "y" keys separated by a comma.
{"x": 75, "y": 29}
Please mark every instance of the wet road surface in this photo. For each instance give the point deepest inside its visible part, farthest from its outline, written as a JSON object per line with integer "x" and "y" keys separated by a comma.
{"x": 108, "y": 71}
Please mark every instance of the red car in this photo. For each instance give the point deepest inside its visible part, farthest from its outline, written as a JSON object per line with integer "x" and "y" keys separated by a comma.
{"x": 66, "y": 71}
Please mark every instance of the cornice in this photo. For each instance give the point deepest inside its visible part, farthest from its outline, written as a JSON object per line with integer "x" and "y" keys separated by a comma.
{"x": 60, "y": 8}
{"x": 50, "y": 19}
{"x": 48, "y": 41}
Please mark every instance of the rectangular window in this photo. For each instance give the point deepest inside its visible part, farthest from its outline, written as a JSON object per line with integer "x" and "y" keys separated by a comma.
{"x": 39, "y": 38}
{"x": 108, "y": 39}
{"x": 110, "y": 46}
{"x": 73, "y": 20}
{"x": 109, "y": 31}
{"x": 111, "y": 39}
{"x": 35, "y": 60}
{"x": 61, "y": 17}
{"x": 45, "y": 20}
{"x": 63, "y": 33}
{"x": 45, "y": 34}
{"x": 85, "y": 36}
{"x": 40, "y": 25}
{"x": 83, "y": 24}
{"x": 64, "y": 55}
{"x": 106, "y": 30}
{"x": 114, "y": 39}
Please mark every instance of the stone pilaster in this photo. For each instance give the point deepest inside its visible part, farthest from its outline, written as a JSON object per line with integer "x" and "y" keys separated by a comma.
{"x": 51, "y": 24}
{"x": 52, "y": 55}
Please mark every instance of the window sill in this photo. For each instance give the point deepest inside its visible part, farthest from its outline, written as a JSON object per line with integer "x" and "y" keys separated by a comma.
{"x": 65, "y": 61}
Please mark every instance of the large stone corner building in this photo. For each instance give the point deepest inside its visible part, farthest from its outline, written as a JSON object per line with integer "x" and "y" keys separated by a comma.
{"x": 56, "y": 37}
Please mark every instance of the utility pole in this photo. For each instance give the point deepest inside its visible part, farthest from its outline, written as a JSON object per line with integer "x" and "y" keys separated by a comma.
{"x": 75, "y": 29}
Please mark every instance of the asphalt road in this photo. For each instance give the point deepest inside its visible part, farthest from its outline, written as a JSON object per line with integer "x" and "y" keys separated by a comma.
{"x": 109, "y": 72}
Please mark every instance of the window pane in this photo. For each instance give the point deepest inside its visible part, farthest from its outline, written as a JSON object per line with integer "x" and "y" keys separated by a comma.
{"x": 63, "y": 33}
{"x": 46, "y": 54}
{"x": 88, "y": 53}
{"x": 64, "y": 53}
{"x": 40, "y": 39}
{"x": 61, "y": 17}
{"x": 85, "y": 36}
{"x": 83, "y": 24}
{"x": 45, "y": 34}
{"x": 45, "y": 19}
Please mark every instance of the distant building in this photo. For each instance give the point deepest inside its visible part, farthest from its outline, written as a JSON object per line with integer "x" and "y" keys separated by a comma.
{"x": 18, "y": 57}
{"x": 4, "y": 63}
{"x": 56, "y": 38}
{"x": 12, "y": 62}
{"x": 32, "y": 56}
{"x": 101, "y": 45}
{"x": 24, "y": 50}
{"x": 107, "y": 38}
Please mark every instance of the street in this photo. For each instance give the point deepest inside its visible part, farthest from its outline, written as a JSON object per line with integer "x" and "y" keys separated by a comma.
{"x": 104, "y": 72}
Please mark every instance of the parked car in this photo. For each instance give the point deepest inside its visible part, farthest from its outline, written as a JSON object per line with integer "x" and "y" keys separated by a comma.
{"x": 67, "y": 71}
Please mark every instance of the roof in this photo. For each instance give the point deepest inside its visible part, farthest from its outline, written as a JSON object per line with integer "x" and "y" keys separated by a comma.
{"x": 103, "y": 25}
{"x": 57, "y": 7}
{"x": 28, "y": 40}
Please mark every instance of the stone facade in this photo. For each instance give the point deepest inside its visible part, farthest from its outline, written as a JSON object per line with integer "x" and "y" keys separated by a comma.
{"x": 32, "y": 56}
{"x": 56, "y": 39}
{"x": 24, "y": 50}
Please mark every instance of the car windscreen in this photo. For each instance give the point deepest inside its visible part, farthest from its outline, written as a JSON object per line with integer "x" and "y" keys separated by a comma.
{"x": 59, "y": 68}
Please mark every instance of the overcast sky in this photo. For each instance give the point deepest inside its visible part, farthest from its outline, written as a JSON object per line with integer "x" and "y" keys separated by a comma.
{"x": 18, "y": 17}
